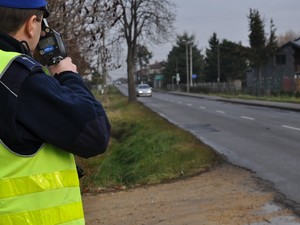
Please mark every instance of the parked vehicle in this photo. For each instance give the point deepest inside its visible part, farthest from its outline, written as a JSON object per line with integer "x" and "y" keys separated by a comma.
{"x": 143, "y": 90}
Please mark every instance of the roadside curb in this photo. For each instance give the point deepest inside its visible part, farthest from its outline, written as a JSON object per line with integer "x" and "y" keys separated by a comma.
{"x": 269, "y": 104}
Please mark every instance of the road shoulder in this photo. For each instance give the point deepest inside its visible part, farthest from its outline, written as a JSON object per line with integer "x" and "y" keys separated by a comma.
{"x": 225, "y": 195}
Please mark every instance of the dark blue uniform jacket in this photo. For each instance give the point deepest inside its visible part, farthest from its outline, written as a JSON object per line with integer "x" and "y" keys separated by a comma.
{"x": 36, "y": 108}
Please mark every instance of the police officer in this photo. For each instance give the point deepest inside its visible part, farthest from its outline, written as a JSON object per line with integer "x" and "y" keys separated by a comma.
{"x": 45, "y": 119}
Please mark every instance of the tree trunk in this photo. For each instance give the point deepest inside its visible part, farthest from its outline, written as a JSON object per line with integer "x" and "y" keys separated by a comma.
{"x": 130, "y": 75}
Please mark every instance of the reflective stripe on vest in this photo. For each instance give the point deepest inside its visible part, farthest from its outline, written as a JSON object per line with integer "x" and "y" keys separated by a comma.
{"x": 42, "y": 189}
{"x": 51, "y": 216}
{"x": 39, "y": 190}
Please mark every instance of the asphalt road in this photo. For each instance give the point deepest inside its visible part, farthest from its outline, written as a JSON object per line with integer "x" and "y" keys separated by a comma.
{"x": 262, "y": 139}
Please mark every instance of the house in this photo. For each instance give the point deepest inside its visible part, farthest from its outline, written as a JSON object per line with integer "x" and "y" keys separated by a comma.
{"x": 156, "y": 73}
{"x": 152, "y": 74}
{"x": 281, "y": 73}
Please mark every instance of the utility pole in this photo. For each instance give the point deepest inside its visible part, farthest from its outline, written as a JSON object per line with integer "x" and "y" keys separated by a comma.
{"x": 191, "y": 64}
{"x": 177, "y": 74}
{"x": 219, "y": 70}
{"x": 187, "y": 67}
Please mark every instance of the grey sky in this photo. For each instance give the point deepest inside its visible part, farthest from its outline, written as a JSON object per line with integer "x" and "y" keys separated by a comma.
{"x": 228, "y": 18}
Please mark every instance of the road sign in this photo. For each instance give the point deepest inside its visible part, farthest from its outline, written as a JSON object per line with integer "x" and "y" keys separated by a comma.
{"x": 177, "y": 77}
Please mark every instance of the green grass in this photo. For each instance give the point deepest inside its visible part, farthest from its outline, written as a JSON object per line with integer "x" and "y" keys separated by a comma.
{"x": 144, "y": 149}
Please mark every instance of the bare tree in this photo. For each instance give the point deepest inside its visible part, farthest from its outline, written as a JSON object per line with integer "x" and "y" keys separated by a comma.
{"x": 139, "y": 20}
{"x": 85, "y": 26}
{"x": 93, "y": 30}
{"x": 288, "y": 36}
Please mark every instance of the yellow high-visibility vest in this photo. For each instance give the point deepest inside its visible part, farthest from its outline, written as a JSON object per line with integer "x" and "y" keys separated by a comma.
{"x": 40, "y": 189}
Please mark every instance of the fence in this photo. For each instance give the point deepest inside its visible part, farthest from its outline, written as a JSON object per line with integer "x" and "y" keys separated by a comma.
{"x": 221, "y": 87}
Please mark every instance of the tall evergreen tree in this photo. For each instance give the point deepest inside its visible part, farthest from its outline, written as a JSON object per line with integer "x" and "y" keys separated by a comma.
{"x": 176, "y": 62}
{"x": 143, "y": 55}
{"x": 257, "y": 38}
{"x": 272, "y": 44}
{"x": 211, "y": 69}
{"x": 261, "y": 48}
{"x": 233, "y": 60}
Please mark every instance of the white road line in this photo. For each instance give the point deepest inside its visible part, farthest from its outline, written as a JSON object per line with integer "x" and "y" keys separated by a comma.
{"x": 219, "y": 111}
{"x": 292, "y": 128}
{"x": 189, "y": 105}
{"x": 180, "y": 102}
{"x": 202, "y": 107}
{"x": 247, "y": 118}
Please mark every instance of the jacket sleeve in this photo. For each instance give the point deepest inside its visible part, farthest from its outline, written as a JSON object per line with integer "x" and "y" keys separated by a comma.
{"x": 61, "y": 111}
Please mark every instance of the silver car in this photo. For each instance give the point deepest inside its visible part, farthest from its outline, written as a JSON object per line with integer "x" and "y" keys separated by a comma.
{"x": 143, "y": 90}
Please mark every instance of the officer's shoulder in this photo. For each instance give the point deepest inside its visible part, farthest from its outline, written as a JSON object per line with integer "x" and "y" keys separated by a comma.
{"x": 28, "y": 63}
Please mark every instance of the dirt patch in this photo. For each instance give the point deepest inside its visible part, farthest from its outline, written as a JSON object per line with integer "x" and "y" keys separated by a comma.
{"x": 225, "y": 195}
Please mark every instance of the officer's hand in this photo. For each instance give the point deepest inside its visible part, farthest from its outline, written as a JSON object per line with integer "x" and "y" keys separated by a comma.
{"x": 64, "y": 65}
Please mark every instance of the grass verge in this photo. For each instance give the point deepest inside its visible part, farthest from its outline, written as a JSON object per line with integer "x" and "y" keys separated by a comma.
{"x": 282, "y": 98}
{"x": 144, "y": 149}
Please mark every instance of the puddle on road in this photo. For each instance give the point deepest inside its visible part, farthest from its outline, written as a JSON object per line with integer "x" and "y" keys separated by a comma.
{"x": 269, "y": 208}
{"x": 279, "y": 220}
{"x": 283, "y": 220}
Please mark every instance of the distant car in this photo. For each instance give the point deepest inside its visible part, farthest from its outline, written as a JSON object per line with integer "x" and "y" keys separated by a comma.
{"x": 143, "y": 90}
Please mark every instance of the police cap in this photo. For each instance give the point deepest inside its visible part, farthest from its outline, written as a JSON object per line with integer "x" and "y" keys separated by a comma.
{"x": 26, "y": 4}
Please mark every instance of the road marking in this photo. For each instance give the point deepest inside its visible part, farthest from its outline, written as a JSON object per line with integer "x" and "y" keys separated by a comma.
{"x": 292, "y": 128}
{"x": 219, "y": 111}
{"x": 180, "y": 102}
{"x": 247, "y": 118}
{"x": 202, "y": 107}
{"x": 189, "y": 105}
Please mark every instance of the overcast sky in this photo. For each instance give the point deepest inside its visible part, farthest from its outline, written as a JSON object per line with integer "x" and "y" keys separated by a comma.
{"x": 227, "y": 18}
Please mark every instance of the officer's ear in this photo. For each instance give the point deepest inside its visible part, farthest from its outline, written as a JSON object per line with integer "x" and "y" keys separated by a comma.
{"x": 31, "y": 25}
